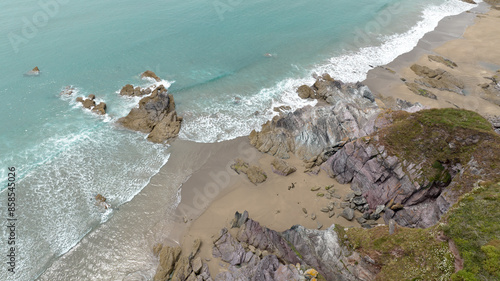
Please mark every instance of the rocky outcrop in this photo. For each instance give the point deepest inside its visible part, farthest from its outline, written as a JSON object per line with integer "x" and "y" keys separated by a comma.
{"x": 415, "y": 88}
{"x": 34, "y": 72}
{"x": 384, "y": 180}
{"x": 150, "y": 74}
{"x": 175, "y": 266}
{"x": 129, "y": 90}
{"x": 438, "y": 78}
{"x": 442, "y": 60}
{"x": 259, "y": 253}
{"x": 254, "y": 173}
{"x": 155, "y": 116}
{"x": 89, "y": 103}
{"x": 309, "y": 132}
{"x": 420, "y": 187}
{"x": 281, "y": 167}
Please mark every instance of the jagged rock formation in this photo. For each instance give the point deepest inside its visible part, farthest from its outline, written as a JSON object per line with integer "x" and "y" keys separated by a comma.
{"x": 259, "y": 253}
{"x": 173, "y": 266}
{"x": 438, "y": 79}
{"x": 345, "y": 113}
{"x": 155, "y": 115}
{"x": 415, "y": 163}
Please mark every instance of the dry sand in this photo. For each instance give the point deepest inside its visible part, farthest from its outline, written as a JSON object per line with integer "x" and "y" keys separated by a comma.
{"x": 475, "y": 50}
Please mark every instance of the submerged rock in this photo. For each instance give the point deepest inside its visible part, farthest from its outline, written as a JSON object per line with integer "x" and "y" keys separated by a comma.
{"x": 155, "y": 116}
{"x": 34, "y": 72}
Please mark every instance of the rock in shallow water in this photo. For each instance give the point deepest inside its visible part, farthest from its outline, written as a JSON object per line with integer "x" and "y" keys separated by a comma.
{"x": 156, "y": 116}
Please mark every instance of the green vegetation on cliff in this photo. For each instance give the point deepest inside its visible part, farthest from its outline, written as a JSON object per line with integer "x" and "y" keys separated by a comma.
{"x": 473, "y": 224}
{"x": 408, "y": 254}
{"x": 440, "y": 139}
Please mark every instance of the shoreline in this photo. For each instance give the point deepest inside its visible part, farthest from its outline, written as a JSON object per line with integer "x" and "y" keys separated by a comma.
{"x": 455, "y": 38}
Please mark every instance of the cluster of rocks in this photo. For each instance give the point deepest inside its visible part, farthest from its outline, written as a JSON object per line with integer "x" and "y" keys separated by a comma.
{"x": 313, "y": 131}
{"x": 155, "y": 116}
{"x": 254, "y": 173}
{"x": 437, "y": 79}
{"x": 89, "y": 103}
{"x": 254, "y": 252}
{"x": 356, "y": 201}
{"x": 175, "y": 266}
{"x": 129, "y": 91}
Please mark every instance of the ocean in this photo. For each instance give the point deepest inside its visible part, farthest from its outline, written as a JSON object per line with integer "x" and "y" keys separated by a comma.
{"x": 227, "y": 63}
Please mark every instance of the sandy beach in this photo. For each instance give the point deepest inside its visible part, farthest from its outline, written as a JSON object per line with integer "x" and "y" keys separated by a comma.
{"x": 476, "y": 59}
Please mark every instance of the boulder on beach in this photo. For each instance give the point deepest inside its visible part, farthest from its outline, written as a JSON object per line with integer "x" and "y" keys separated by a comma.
{"x": 155, "y": 116}
{"x": 438, "y": 78}
{"x": 254, "y": 173}
{"x": 34, "y": 72}
{"x": 281, "y": 167}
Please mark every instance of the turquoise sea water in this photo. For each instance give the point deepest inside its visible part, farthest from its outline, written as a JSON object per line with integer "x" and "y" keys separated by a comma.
{"x": 211, "y": 53}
